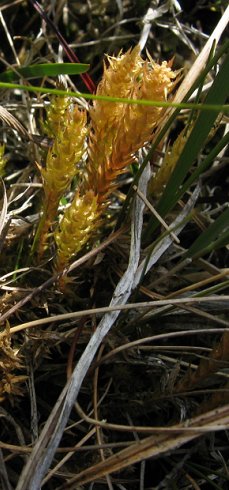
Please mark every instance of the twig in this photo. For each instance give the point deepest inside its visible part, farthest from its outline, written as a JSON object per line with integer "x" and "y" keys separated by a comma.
{"x": 156, "y": 214}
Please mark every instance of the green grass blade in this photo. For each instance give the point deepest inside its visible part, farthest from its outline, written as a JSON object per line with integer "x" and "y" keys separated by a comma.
{"x": 204, "y": 165}
{"x": 204, "y": 477}
{"x": 217, "y": 95}
{"x": 201, "y": 467}
{"x": 216, "y": 234}
{"x": 44, "y": 70}
{"x": 122, "y": 100}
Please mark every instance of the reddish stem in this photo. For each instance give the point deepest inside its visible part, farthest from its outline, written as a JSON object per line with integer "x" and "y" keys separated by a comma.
{"x": 69, "y": 51}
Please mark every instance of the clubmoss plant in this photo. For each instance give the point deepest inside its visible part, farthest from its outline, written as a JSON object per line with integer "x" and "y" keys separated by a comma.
{"x": 117, "y": 131}
{"x": 57, "y": 114}
{"x": 158, "y": 182}
{"x": 76, "y": 227}
{"x": 69, "y": 133}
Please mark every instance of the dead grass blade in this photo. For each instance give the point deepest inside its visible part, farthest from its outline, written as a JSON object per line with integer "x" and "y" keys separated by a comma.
{"x": 44, "y": 450}
{"x": 201, "y": 60}
{"x": 153, "y": 446}
{"x": 116, "y": 308}
{"x": 13, "y": 123}
{"x": 4, "y": 209}
{"x": 216, "y": 360}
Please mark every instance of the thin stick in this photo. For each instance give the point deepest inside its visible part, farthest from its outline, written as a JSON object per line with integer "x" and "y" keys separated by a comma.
{"x": 156, "y": 214}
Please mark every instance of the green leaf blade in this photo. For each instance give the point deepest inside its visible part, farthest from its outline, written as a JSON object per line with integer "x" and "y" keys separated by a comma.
{"x": 217, "y": 95}
{"x": 44, "y": 70}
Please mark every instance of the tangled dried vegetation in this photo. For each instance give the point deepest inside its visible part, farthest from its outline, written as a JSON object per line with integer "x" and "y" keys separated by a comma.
{"x": 114, "y": 340}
